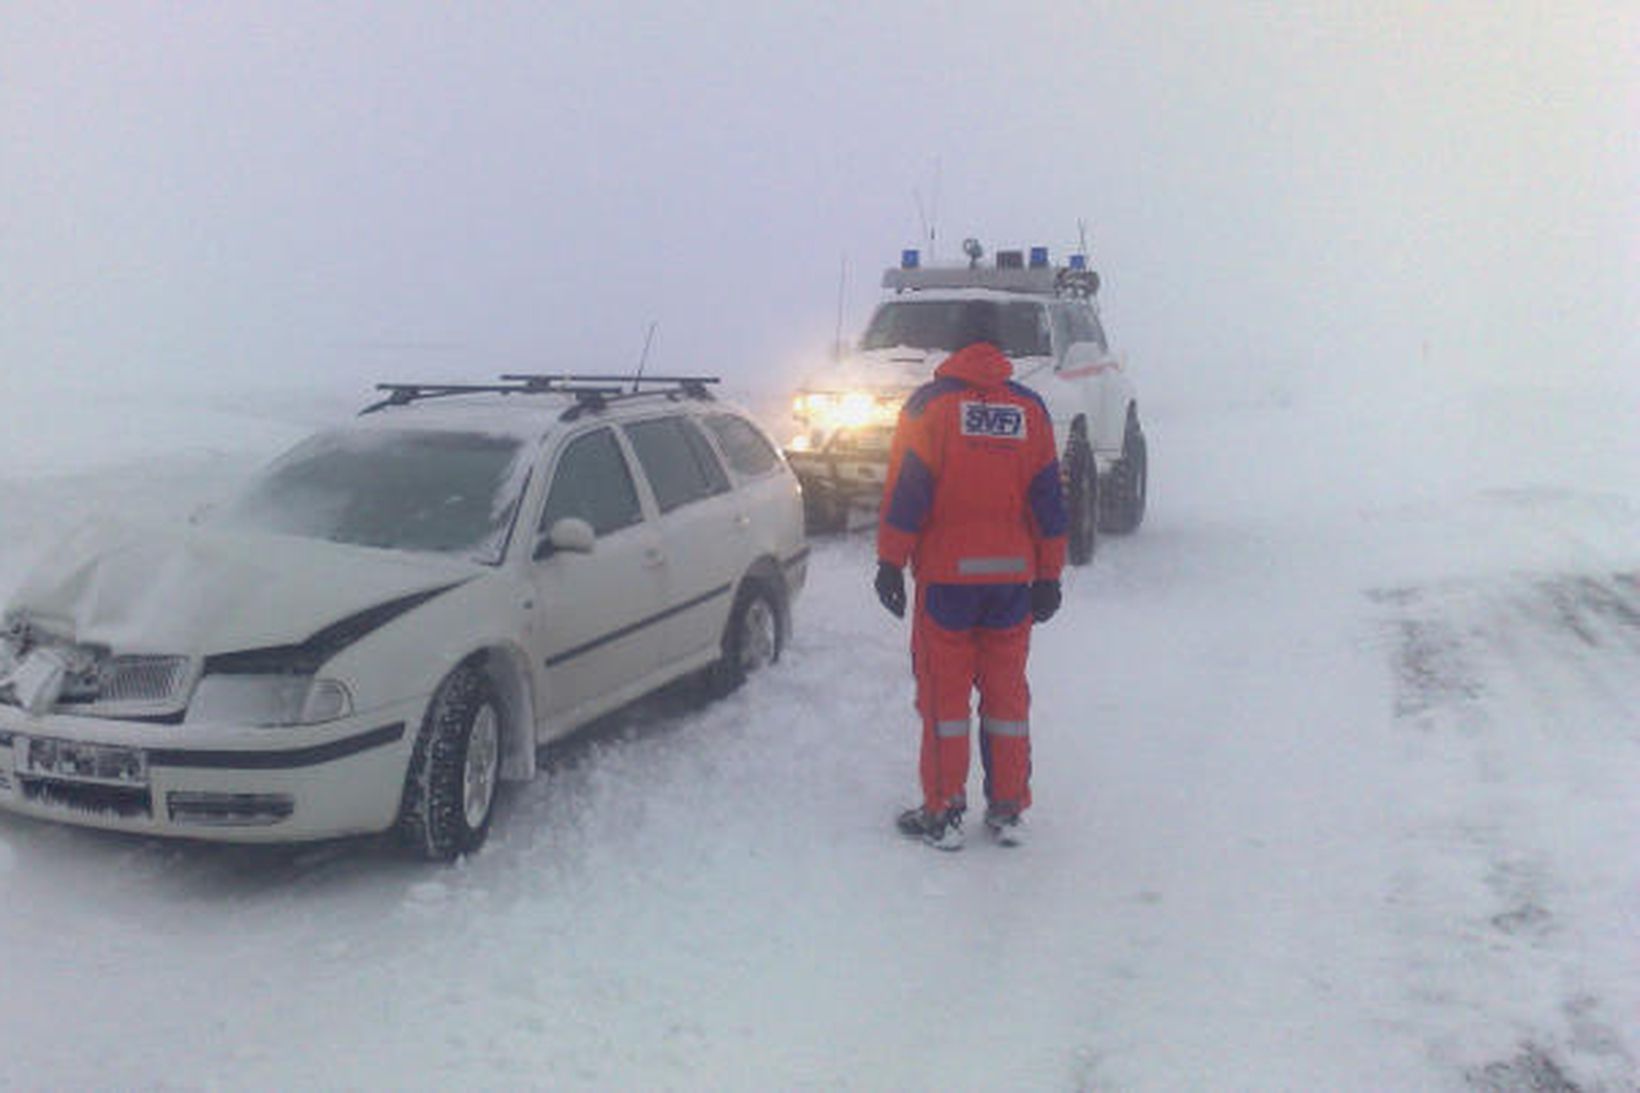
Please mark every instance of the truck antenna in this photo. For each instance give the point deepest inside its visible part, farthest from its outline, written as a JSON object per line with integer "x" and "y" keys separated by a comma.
{"x": 929, "y": 216}
{"x": 934, "y": 209}
{"x": 643, "y": 359}
{"x": 842, "y": 287}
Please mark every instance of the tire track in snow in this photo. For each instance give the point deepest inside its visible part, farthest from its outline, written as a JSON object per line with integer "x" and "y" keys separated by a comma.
{"x": 1523, "y": 692}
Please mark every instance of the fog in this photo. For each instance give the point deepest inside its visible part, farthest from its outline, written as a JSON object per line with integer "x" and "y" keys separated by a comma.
{"x": 419, "y": 190}
{"x": 1337, "y": 755}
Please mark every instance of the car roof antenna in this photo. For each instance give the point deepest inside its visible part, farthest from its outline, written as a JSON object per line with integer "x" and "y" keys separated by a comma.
{"x": 643, "y": 358}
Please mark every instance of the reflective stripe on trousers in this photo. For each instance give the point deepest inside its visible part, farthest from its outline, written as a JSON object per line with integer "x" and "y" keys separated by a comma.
{"x": 1004, "y": 728}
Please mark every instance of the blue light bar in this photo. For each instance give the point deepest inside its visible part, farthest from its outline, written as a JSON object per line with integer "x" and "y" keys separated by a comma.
{"x": 1079, "y": 261}
{"x": 909, "y": 259}
{"x": 1039, "y": 257}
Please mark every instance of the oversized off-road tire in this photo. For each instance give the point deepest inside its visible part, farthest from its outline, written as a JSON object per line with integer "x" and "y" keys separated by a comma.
{"x": 1123, "y": 499}
{"x": 752, "y": 640}
{"x": 455, "y": 769}
{"x": 824, "y": 512}
{"x": 1081, "y": 475}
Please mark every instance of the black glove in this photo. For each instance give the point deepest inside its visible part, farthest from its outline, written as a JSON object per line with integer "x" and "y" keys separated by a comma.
{"x": 891, "y": 588}
{"x": 1044, "y": 600}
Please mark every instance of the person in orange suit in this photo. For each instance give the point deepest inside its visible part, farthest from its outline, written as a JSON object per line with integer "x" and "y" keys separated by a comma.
{"x": 973, "y": 503}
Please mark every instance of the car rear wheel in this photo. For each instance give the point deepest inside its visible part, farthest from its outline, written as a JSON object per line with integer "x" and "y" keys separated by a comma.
{"x": 1081, "y": 499}
{"x": 751, "y": 641}
{"x": 1124, "y": 500}
{"x": 450, "y": 788}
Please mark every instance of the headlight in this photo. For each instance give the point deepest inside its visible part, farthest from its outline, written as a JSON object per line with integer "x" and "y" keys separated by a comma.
{"x": 846, "y": 409}
{"x": 268, "y": 699}
{"x": 855, "y": 409}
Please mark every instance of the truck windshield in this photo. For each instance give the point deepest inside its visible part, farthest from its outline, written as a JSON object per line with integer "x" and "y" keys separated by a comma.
{"x": 435, "y": 492}
{"x": 933, "y": 324}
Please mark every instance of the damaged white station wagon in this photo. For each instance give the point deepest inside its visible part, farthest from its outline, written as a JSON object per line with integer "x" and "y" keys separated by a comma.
{"x": 393, "y": 616}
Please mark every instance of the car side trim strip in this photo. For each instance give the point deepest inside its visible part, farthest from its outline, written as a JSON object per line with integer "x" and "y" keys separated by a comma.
{"x": 288, "y": 759}
{"x": 631, "y": 628}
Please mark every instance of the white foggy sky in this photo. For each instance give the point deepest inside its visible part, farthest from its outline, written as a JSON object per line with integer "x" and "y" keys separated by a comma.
{"x": 417, "y": 190}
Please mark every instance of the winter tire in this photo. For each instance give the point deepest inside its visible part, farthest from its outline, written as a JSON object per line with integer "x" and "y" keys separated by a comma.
{"x": 1081, "y": 499}
{"x": 824, "y": 512}
{"x": 1123, "y": 508}
{"x": 751, "y": 642}
{"x": 450, "y": 788}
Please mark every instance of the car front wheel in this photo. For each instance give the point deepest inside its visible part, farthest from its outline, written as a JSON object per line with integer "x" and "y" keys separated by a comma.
{"x": 455, "y": 769}
{"x": 824, "y": 511}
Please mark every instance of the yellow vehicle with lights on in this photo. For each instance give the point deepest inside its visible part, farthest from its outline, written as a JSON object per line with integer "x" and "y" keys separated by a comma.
{"x": 1049, "y": 323}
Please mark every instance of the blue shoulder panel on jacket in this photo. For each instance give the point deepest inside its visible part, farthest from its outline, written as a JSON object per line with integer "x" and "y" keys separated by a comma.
{"x": 928, "y": 392}
{"x": 1025, "y": 392}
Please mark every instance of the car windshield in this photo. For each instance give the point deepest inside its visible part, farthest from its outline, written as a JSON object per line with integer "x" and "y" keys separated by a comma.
{"x": 434, "y": 492}
{"x": 934, "y": 324}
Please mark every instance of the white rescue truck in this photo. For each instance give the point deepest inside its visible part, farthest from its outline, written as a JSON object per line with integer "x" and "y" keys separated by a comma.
{"x": 1048, "y": 316}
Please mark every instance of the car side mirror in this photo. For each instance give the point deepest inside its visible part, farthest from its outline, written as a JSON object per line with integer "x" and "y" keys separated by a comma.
{"x": 571, "y": 534}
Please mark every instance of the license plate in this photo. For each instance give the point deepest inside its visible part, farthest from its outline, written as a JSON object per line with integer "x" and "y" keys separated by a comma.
{"x": 73, "y": 761}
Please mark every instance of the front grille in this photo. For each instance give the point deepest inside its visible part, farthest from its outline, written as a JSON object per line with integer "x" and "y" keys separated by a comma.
{"x": 127, "y": 686}
{"x": 122, "y": 801}
{"x": 143, "y": 679}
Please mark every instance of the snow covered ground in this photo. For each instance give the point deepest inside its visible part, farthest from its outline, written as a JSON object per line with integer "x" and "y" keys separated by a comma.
{"x": 1337, "y": 778}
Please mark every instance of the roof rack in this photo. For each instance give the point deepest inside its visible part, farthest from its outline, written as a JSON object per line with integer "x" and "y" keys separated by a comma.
{"x": 591, "y": 392}
{"x": 1036, "y": 280}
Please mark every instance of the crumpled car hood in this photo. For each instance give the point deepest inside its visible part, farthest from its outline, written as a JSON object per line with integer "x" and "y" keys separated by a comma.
{"x": 199, "y": 591}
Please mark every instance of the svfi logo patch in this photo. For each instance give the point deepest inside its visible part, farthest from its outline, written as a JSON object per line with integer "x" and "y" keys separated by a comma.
{"x": 993, "y": 419}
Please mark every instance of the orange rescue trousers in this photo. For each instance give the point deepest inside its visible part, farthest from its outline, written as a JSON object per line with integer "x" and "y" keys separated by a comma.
{"x": 962, "y": 637}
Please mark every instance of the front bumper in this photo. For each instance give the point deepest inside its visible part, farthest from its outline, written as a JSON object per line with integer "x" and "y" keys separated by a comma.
{"x": 851, "y": 464}
{"x": 227, "y": 783}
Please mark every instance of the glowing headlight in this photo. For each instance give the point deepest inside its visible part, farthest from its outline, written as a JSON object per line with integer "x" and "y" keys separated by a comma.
{"x": 845, "y": 410}
{"x": 855, "y": 409}
{"x": 268, "y": 699}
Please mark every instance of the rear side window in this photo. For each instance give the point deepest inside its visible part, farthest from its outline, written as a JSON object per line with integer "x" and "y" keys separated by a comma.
{"x": 678, "y": 461}
{"x": 592, "y": 481}
{"x": 747, "y": 450}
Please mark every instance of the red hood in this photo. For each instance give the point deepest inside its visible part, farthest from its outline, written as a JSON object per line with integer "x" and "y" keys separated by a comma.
{"x": 981, "y": 364}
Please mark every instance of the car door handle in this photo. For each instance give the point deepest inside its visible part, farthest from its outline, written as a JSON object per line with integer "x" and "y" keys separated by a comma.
{"x": 653, "y": 558}
{"x": 742, "y": 521}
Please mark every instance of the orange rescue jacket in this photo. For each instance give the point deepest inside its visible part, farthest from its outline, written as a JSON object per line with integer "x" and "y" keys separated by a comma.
{"x": 973, "y": 493}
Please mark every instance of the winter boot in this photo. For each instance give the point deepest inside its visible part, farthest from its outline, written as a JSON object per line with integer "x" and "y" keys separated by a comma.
{"x": 1006, "y": 826}
{"x": 942, "y": 831}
